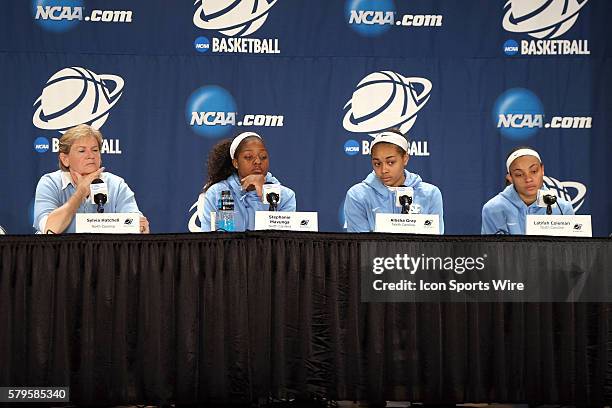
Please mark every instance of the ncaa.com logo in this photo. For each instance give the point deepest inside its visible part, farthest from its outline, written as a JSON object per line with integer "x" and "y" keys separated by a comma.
{"x": 73, "y": 96}
{"x": 63, "y": 15}
{"x": 235, "y": 19}
{"x": 545, "y": 21}
{"x": 384, "y": 100}
{"x": 374, "y": 17}
{"x": 571, "y": 191}
{"x": 519, "y": 114}
{"x": 211, "y": 111}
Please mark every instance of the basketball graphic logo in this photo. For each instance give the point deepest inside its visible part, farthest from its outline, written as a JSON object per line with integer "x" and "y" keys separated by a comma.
{"x": 76, "y": 95}
{"x": 234, "y": 18}
{"x": 542, "y": 19}
{"x": 384, "y": 100}
{"x": 562, "y": 190}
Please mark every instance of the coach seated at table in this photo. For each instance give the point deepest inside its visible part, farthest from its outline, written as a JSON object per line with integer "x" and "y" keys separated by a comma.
{"x": 63, "y": 193}
{"x": 506, "y": 213}
{"x": 240, "y": 167}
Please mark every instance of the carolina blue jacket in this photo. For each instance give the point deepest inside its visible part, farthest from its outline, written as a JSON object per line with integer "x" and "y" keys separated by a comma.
{"x": 245, "y": 203}
{"x": 506, "y": 212}
{"x": 371, "y": 196}
{"x": 54, "y": 189}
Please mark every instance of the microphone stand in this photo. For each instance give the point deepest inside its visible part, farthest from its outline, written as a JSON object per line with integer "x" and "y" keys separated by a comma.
{"x": 549, "y": 200}
{"x": 406, "y": 202}
{"x": 100, "y": 200}
{"x": 273, "y": 200}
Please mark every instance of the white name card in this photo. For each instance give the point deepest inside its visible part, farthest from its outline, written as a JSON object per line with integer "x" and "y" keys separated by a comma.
{"x": 108, "y": 223}
{"x": 559, "y": 225}
{"x": 408, "y": 223}
{"x": 286, "y": 221}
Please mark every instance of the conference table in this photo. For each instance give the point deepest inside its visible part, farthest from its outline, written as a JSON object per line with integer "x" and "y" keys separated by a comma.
{"x": 243, "y": 318}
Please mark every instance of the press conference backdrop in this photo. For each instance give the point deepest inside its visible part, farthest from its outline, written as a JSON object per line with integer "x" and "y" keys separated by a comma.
{"x": 164, "y": 81}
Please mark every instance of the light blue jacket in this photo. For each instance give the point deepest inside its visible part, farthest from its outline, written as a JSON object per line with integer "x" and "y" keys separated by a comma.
{"x": 506, "y": 212}
{"x": 54, "y": 190}
{"x": 371, "y": 196}
{"x": 245, "y": 203}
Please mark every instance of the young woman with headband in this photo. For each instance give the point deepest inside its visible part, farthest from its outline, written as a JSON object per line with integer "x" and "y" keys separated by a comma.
{"x": 241, "y": 167}
{"x": 389, "y": 152}
{"x": 507, "y": 211}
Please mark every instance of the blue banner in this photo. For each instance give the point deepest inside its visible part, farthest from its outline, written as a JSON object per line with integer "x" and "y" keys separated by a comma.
{"x": 467, "y": 81}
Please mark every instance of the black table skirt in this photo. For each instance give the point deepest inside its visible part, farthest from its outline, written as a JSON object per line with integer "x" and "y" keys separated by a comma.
{"x": 193, "y": 318}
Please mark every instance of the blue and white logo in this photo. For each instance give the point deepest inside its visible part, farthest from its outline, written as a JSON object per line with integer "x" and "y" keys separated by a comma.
{"x": 201, "y": 44}
{"x": 195, "y": 222}
{"x": 518, "y": 114}
{"x": 571, "y": 191}
{"x": 211, "y": 111}
{"x": 41, "y": 144}
{"x": 511, "y": 47}
{"x": 76, "y": 95}
{"x": 351, "y": 147}
{"x": 63, "y": 15}
{"x": 58, "y": 15}
{"x": 384, "y": 100}
{"x": 543, "y": 19}
{"x": 370, "y": 18}
{"x": 236, "y": 19}
{"x": 233, "y": 18}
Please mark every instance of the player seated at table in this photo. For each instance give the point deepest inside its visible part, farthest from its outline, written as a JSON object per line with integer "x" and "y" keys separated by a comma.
{"x": 375, "y": 194}
{"x": 62, "y": 194}
{"x": 240, "y": 166}
{"x": 507, "y": 211}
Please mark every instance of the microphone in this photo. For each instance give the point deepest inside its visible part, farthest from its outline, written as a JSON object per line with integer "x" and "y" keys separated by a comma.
{"x": 273, "y": 199}
{"x": 99, "y": 194}
{"x": 271, "y": 195}
{"x": 549, "y": 200}
{"x": 405, "y": 201}
{"x": 403, "y": 198}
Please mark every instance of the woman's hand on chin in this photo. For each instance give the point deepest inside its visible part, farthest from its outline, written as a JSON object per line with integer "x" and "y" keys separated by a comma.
{"x": 83, "y": 182}
{"x": 253, "y": 182}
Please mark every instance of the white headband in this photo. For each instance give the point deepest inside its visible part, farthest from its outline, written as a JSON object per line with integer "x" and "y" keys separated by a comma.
{"x": 519, "y": 153}
{"x": 239, "y": 139}
{"x": 391, "y": 137}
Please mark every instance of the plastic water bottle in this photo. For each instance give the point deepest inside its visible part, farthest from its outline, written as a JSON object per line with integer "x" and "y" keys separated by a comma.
{"x": 225, "y": 212}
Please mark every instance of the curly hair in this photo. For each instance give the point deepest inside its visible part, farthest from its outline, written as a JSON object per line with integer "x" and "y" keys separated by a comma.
{"x": 219, "y": 164}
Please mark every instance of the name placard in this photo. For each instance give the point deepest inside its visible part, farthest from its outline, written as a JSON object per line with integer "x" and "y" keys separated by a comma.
{"x": 559, "y": 225}
{"x": 108, "y": 223}
{"x": 286, "y": 221}
{"x": 408, "y": 223}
